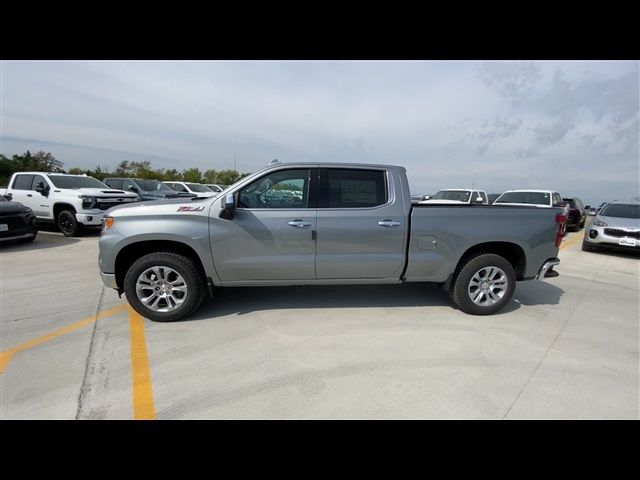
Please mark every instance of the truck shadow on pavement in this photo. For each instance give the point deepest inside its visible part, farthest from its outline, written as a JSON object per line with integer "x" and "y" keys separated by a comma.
{"x": 244, "y": 300}
{"x": 41, "y": 242}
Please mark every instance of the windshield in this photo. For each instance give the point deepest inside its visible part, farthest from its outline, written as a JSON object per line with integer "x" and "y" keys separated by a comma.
{"x": 196, "y": 187}
{"x": 153, "y": 185}
{"x": 71, "y": 181}
{"x": 621, "y": 210}
{"x": 531, "y": 198}
{"x": 459, "y": 195}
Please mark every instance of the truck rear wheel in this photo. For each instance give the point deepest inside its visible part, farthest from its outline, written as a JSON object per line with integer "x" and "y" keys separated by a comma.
{"x": 164, "y": 286}
{"x": 484, "y": 284}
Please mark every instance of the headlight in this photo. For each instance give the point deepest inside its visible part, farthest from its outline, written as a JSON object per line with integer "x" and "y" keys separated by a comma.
{"x": 599, "y": 223}
{"x": 87, "y": 201}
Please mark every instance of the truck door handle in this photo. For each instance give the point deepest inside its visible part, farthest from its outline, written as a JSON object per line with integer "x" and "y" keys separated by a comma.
{"x": 388, "y": 223}
{"x": 29, "y": 195}
{"x": 299, "y": 223}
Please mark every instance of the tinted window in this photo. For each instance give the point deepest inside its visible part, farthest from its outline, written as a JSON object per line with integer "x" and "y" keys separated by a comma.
{"x": 356, "y": 188}
{"x": 23, "y": 182}
{"x": 458, "y": 195}
{"x": 621, "y": 210}
{"x": 117, "y": 184}
{"x": 529, "y": 198}
{"x": 557, "y": 200}
{"x": 37, "y": 179}
{"x": 71, "y": 181}
{"x": 196, "y": 187}
{"x": 483, "y": 196}
{"x": 282, "y": 189}
{"x": 129, "y": 186}
{"x": 571, "y": 202}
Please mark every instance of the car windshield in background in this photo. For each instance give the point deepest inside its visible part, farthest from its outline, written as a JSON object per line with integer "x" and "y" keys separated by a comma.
{"x": 153, "y": 185}
{"x": 194, "y": 187}
{"x": 459, "y": 195}
{"x": 63, "y": 181}
{"x": 530, "y": 198}
{"x": 621, "y": 210}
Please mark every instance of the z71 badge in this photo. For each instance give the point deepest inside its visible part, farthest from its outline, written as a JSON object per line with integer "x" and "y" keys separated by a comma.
{"x": 191, "y": 209}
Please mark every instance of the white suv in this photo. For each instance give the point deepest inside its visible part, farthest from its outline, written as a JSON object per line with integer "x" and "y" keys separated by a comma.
{"x": 71, "y": 201}
{"x": 457, "y": 196}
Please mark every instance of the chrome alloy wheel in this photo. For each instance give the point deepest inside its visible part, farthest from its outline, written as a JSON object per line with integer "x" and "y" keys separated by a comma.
{"x": 161, "y": 289}
{"x": 487, "y": 286}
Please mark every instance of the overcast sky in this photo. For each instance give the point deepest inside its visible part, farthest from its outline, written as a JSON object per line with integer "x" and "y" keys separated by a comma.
{"x": 567, "y": 126}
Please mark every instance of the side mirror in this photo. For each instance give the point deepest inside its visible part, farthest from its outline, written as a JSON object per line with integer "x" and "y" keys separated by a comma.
{"x": 42, "y": 189}
{"x": 587, "y": 207}
{"x": 426, "y": 197}
{"x": 477, "y": 200}
{"x": 8, "y": 196}
{"x": 228, "y": 207}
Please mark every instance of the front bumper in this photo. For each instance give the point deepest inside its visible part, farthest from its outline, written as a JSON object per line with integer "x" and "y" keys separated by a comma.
{"x": 603, "y": 239}
{"x": 91, "y": 219}
{"x": 109, "y": 280}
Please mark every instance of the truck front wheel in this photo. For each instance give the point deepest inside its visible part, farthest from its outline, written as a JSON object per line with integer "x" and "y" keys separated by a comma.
{"x": 484, "y": 285}
{"x": 164, "y": 286}
{"x": 68, "y": 224}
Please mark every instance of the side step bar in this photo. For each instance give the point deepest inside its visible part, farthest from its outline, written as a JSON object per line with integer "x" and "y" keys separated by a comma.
{"x": 547, "y": 269}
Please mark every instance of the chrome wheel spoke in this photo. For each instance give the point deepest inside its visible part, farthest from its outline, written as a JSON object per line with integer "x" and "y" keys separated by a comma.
{"x": 161, "y": 289}
{"x": 487, "y": 286}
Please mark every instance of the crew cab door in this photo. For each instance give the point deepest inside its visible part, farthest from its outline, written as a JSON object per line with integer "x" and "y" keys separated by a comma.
{"x": 361, "y": 225}
{"x": 23, "y": 190}
{"x": 271, "y": 236}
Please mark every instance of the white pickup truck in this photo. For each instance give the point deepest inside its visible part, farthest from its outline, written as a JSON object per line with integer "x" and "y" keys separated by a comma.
{"x": 71, "y": 201}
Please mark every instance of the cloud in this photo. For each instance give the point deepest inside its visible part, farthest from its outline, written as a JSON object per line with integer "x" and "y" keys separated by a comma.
{"x": 507, "y": 124}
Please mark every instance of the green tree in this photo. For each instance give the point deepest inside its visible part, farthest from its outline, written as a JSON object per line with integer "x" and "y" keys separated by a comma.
{"x": 192, "y": 175}
{"x": 75, "y": 171}
{"x": 210, "y": 176}
{"x": 123, "y": 169}
{"x": 40, "y": 161}
{"x": 6, "y": 170}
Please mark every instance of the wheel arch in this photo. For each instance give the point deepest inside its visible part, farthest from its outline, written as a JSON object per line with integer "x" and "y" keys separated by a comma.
{"x": 133, "y": 251}
{"x": 512, "y": 252}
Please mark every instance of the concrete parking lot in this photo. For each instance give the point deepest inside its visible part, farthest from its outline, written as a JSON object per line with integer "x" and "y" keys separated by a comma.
{"x": 566, "y": 347}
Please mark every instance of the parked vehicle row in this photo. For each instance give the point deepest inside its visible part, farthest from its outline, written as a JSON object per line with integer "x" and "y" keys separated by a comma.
{"x": 70, "y": 201}
{"x": 346, "y": 224}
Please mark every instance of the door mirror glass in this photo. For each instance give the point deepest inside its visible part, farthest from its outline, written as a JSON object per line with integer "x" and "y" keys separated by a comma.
{"x": 228, "y": 207}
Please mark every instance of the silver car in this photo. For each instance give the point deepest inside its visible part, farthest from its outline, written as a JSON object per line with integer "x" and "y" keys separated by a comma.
{"x": 616, "y": 225}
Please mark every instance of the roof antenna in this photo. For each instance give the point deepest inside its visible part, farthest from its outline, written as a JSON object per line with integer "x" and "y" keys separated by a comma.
{"x": 274, "y": 161}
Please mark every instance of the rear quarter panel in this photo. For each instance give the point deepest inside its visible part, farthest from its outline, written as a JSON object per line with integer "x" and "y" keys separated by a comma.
{"x": 456, "y": 229}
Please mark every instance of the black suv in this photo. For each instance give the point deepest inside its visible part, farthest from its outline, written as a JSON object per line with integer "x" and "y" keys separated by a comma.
{"x": 17, "y": 222}
{"x": 577, "y": 213}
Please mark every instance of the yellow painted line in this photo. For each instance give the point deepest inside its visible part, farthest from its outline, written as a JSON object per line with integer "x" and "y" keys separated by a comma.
{"x": 572, "y": 241}
{"x": 143, "y": 407}
{"x": 7, "y": 355}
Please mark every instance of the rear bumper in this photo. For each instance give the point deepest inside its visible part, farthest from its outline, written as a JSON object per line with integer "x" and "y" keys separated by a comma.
{"x": 546, "y": 267}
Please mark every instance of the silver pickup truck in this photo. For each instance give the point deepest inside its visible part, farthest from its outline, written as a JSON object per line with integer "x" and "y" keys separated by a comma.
{"x": 320, "y": 224}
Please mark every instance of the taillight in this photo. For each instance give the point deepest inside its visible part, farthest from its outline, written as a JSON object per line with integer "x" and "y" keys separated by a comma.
{"x": 561, "y": 219}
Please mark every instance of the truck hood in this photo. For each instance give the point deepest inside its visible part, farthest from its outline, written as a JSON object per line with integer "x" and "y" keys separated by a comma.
{"x": 12, "y": 208}
{"x": 104, "y": 192}
{"x": 166, "y": 194}
{"x": 617, "y": 222}
{"x": 171, "y": 206}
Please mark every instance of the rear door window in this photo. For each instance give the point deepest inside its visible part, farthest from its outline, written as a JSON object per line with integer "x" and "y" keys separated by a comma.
{"x": 117, "y": 184}
{"x": 23, "y": 182}
{"x": 354, "y": 188}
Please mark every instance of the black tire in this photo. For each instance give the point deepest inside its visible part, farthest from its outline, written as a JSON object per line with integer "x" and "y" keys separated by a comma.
{"x": 460, "y": 295}
{"x": 68, "y": 224}
{"x": 186, "y": 267}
